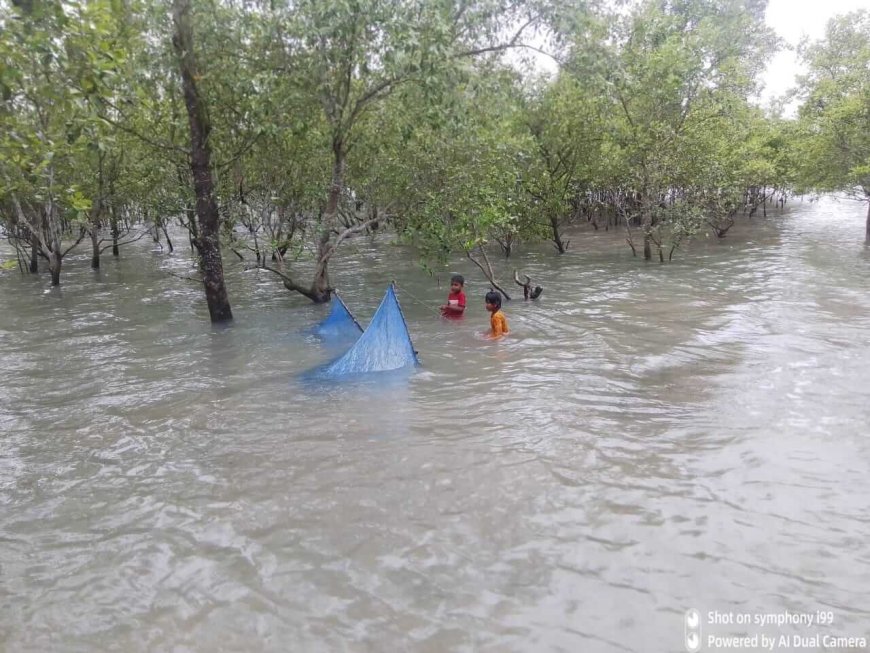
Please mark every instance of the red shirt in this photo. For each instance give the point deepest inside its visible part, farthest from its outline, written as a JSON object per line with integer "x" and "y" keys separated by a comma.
{"x": 455, "y": 299}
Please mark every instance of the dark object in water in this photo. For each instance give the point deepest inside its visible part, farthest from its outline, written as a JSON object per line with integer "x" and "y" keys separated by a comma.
{"x": 528, "y": 291}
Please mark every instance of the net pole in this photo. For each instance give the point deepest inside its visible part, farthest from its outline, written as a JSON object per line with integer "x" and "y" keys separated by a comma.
{"x": 404, "y": 321}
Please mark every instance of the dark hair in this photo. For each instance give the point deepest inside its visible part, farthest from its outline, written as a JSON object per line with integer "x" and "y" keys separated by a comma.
{"x": 457, "y": 278}
{"x": 494, "y": 298}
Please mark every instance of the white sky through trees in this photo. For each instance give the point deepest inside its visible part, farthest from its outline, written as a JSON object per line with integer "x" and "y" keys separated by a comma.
{"x": 792, "y": 20}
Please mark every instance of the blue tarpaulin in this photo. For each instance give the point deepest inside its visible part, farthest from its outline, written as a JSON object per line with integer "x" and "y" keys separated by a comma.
{"x": 385, "y": 345}
{"x": 339, "y": 324}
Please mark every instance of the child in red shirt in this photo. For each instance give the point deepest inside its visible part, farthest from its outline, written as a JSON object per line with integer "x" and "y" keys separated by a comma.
{"x": 455, "y": 306}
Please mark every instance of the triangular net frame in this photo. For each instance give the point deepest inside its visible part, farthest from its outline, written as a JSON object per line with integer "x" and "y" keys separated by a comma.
{"x": 340, "y": 323}
{"x": 385, "y": 345}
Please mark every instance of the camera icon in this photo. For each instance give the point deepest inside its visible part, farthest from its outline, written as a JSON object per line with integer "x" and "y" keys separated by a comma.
{"x": 692, "y": 631}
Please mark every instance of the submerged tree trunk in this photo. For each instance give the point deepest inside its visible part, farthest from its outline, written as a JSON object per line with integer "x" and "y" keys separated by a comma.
{"x": 506, "y": 244}
{"x": 95, "y": 248}
{"x": 208, "y": 241}
{"x": 166, "y": 235}
{"x": 45, "y": 233}
{"x": 54, "y": 263}
{"x": 96, "y": 226}
{"x": 647, "y": 228}
{"x": 34, "y": 254}
{"x": 115, "y": 233}
{"x": 95, "y": 230}
{"x": 557, "y": 237}
{"x": 320, "y": 290}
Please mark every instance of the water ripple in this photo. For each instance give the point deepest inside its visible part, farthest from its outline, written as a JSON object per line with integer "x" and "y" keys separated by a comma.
{"x": 649, "y": 438}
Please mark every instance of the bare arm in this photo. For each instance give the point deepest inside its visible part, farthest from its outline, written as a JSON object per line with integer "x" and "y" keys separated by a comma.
{"x": 455, "y": 309}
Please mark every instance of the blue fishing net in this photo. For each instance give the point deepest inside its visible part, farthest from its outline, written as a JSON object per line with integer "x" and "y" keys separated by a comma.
{"x": 339, "y": 324}
{"x": 385, "y": 345}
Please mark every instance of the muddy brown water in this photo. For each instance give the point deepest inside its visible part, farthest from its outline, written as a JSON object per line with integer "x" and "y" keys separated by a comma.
{"x": 649, "y": 439}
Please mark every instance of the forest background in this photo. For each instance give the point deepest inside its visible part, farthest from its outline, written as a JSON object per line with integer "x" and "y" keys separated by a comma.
{"x": 273, "y": 132}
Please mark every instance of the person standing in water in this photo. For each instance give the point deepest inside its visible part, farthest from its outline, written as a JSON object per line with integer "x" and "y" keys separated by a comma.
{"x": 455, "y": 306}
{"x": 497, "y": 320}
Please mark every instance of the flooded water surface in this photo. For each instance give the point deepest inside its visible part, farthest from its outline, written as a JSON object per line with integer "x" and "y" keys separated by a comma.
{"x": 650, "y": 439}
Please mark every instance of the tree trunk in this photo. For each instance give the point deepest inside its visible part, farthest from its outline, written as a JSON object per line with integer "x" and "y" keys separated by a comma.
{"x": 320, "y": 289}
{"x": 95, "y": 229}
{"x": 115, "y": 233}
{"x": 166, "y": 235}
{"x": 208, "y": 241}
{"x": 867, "y": 236}
{"x": 557, "y": 237}
{"x": 54, "y": 261}
{"x": 647, "y": 226}
{"x": 95, "y": 248}
{"x": 34, "y": 254}
{"x": 97, "y": 217}
{"x": 53, "y": 239}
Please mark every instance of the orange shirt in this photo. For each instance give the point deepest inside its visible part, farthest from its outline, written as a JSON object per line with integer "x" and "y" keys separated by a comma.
{"x": 498, "y": 322}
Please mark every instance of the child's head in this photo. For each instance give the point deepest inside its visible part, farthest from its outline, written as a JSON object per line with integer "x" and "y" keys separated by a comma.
{"x": 456, "y": 282}
{"x": 493, "y": 301}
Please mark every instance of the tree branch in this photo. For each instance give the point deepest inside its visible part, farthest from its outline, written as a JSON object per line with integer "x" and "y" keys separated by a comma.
{"x": 23, "y": 218}
{"x": 126, "y": 242}
{"x": 500, "y": 47}
{"x": 181, "y": 276}
{"x": 487, "y": 272}
{"x": 344, "y": 235}
{"x": 289, "y": 283}
{"x": 124, "y": 128}
{"x": 81, "y": 237}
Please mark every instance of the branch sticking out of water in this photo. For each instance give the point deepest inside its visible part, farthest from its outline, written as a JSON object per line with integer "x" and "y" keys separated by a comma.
{"x": 183, "y": 277}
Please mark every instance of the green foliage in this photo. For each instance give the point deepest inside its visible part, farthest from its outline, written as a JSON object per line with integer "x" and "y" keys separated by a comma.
{"x": 680, "y": 75}
{"x": 59, "y": 60}
{"x": 462, "y": 188}
{"x": 326, "y": 114}
{"x": 835, "y": 113}
{"x": 567, "y": 125}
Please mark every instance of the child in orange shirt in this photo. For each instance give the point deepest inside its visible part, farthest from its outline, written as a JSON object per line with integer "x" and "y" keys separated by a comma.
{"x": 497, "y": 320}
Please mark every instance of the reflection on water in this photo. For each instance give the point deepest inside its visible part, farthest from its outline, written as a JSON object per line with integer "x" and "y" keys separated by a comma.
{"x": 650, "y": 438}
